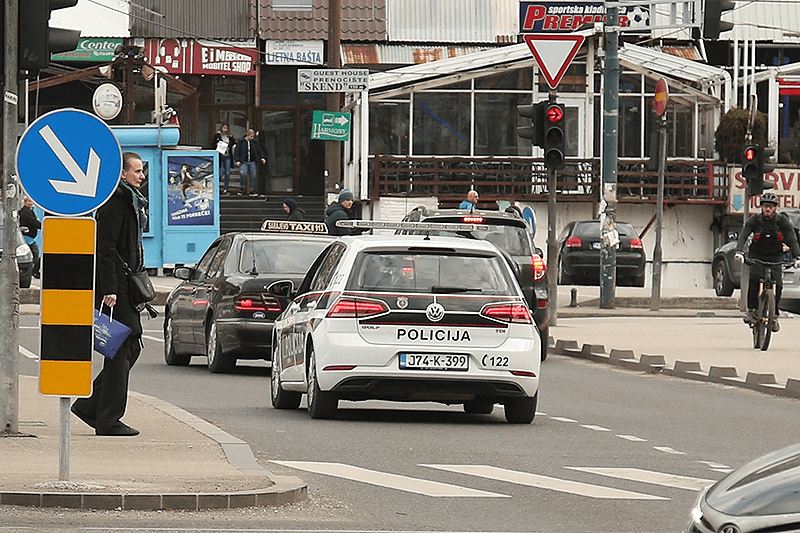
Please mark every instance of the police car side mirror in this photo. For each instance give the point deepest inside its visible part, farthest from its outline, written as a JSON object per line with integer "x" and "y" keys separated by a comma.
{"x": 281, "y": 289}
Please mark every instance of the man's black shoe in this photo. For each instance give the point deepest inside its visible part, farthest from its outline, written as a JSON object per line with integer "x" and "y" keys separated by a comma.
{"x": 85, "y": 418}
{"x": 118, "y": 430}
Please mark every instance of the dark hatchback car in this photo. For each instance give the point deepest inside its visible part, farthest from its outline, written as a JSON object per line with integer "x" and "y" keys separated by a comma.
{"x": 509, "y": 232}
{"x": 222, "y": 309}
{"x": 579, "y": 248}
{"x": 761, "y": 496}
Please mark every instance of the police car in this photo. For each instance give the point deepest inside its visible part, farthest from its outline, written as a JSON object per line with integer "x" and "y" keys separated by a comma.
{"x": 406, "y": 318}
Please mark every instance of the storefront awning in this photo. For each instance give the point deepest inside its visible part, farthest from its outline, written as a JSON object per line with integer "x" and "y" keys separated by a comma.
{"x": 691, "y": 72}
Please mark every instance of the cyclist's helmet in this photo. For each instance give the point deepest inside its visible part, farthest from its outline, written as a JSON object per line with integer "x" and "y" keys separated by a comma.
{"x": 769, "y": 198}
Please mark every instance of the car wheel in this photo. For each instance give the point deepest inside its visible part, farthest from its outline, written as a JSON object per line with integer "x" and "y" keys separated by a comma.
{"x": 281, "y": 399}
{"x": 217, "y": 362}
{"x": 170, "y": 356}
{"x": 544, "y": 337}
{"x": 723, "y": 284}
{"x": 320, "y": 404}
{"x": 521, "y": 410}
{"x": 479, "y": 407}
{"x": 563, "y": 277}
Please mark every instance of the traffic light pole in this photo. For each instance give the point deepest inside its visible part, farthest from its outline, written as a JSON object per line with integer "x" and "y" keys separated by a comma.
{"x": 608, "y": 251}
{"x": 9, "y": 289}
{"x": 552, "y": 249}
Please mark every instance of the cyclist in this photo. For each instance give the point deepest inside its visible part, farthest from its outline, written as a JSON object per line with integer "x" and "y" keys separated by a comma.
{"x": 773, "y": 234}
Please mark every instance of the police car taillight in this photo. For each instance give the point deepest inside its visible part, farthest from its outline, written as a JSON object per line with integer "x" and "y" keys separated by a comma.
{"x": 356, "y": 308}
{"x": 539, "y": 267}
{"x": 257, "y": 302}
{"x": 472, "y": 219}
{"x": 516, "y": 313}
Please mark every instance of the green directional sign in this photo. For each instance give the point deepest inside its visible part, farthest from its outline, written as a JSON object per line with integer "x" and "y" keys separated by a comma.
{"x": 330, "y": 126}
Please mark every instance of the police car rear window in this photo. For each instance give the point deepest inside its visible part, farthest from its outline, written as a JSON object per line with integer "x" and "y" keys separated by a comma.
{"x": 425, "y": 273}
{"x": 272, "y": 256}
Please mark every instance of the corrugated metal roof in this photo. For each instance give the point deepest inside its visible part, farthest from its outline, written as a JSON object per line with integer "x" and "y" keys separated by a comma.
{"x": 362, "y": 20}
{"x": 206, "y": 19}
{"x": 453, "y": 21}
{"x": 677, "y": 67}
{"x": 402, "y": 54}
{"x": 777, "y": 21}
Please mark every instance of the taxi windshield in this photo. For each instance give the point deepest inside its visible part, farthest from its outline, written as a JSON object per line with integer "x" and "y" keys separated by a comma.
{"x": 425, "y": 273}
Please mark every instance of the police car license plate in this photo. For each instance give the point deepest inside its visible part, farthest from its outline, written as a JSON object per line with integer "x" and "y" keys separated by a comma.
{"x": 428, "y": 361}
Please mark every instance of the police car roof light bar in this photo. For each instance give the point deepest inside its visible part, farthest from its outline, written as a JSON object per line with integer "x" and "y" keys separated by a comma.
{"x": 418, "y": 226}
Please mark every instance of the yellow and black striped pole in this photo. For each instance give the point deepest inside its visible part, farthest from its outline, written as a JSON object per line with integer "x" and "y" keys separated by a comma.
{"x": 67, "y": 306}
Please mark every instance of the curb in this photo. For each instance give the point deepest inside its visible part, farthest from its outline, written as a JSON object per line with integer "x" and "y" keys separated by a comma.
{"x": 656, "y": 364}
{"x": 281, "y": 490}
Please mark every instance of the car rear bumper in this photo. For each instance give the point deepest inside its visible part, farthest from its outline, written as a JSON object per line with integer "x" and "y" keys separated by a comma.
{"x": 420, "y": 389}
{"x": 587, "y": 264}
{"x": 246, "y": 339}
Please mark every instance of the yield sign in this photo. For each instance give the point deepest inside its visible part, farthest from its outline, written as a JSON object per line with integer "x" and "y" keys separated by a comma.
{"x": 554, "y": 53}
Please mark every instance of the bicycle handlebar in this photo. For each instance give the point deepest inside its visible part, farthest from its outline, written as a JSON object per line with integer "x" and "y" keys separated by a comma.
{"x": 752, "y": 260}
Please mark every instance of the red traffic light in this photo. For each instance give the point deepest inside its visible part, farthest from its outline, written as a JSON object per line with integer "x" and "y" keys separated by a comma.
{"x": 750, "y": 154}
{"x": 554, "y": 114}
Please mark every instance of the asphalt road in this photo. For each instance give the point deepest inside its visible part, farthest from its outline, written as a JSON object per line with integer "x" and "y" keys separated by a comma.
{"x": 609, "y": 450}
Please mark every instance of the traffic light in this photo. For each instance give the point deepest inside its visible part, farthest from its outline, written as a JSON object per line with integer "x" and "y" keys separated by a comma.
{"x": 37, "y": 40}
{"x": 712, "y": 18}
{"x": 764, "y": 166}
{"x": 750, "y": 159}
{"x": 554, "y": 136}
{"x": 534, "y": 132}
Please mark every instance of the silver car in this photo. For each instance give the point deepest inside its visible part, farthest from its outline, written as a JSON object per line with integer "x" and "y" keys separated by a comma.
{"x": 761, "y": 496}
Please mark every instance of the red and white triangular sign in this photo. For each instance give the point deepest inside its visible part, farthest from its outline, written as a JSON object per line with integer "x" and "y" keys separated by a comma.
{"x": 554, "y": 52}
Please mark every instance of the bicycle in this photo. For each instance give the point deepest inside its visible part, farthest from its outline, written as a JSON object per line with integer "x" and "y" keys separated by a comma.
{"x": 765, "y": 314}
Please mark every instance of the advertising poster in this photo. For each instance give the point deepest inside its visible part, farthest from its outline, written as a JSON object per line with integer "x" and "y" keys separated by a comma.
{"x": 190, "y": 190}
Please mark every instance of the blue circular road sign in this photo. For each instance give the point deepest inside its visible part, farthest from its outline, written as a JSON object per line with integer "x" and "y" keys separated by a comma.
{"x": 69, "y": 162}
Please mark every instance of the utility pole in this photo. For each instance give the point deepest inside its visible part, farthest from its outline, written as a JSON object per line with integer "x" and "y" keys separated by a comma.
{"x": 9, "y": 289}
{"x": 333, "y": 149}
{"x": 608, "y": 251}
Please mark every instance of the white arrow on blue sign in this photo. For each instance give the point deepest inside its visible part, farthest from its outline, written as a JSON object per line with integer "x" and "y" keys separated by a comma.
{"x": 69, "y": 162}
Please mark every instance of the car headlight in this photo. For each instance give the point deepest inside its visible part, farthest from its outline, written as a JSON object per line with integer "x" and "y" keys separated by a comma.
{"x": 23, "y": 249}
{"x": 697, "y": 514}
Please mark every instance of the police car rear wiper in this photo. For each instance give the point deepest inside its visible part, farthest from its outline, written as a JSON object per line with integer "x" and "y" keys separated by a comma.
{"x": 443, "y": 288}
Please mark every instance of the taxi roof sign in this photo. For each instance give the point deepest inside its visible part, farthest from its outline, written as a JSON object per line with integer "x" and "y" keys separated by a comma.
{"x": 291, "y": 226}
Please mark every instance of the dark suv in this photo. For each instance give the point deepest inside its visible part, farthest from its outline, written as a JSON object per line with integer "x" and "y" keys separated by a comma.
{"x": 511, "y": 234}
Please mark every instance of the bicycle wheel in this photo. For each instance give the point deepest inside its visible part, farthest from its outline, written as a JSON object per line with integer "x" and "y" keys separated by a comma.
{"x": 768, "y": 320}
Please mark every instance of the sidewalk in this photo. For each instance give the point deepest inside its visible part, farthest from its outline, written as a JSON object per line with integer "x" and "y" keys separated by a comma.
{"x": 182, "y": 462}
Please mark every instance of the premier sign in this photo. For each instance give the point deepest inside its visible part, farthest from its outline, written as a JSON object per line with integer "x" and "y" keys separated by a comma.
{"x": 332, "y": 80}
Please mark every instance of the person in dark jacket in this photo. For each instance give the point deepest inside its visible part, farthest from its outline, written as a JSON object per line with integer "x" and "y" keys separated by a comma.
{"x": 247, "y": 155}
{"x": 293, "y": 211}
{"x": 120, "y": 223}
{"x": 223, "y": 143}
{"x": 339, "y": 211}
{"x": 30, "y": 225}
{"x": 773, "y": 234}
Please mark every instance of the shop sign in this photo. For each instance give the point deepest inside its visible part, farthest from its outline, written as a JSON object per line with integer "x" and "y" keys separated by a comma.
{"x": 100, "y": 50}
{"x": 330, "y": 126}
{"x": 332, "y": 80}
{"x": 786, "y": 182}
{"x": 565, "y": 17}
{"x": 288, "y": 52}
{"x": 188, "y": 56}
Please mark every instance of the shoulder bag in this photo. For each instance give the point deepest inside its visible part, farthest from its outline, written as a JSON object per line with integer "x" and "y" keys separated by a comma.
{"x": 140, "y": 287}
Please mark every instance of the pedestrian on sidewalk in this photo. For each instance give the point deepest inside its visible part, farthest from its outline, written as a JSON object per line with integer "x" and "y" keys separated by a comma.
{"x": 340, "y": 211}
{"x": 471, "y": 202}
{"x": 223, "y": 143}
{"x": 30, "y": 225}
{"x": 773, "y": 234}
{"x": 120, "y": 223}
{"x": 247, "y": 155}
{"x": 293, "y": 211}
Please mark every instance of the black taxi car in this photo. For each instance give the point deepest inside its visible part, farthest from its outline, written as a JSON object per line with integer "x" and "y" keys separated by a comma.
{"x": 222, "y": 309}
{"x": 509, "y": 232}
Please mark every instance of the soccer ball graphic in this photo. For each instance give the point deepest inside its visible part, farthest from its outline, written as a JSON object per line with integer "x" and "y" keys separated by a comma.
{"x": 638, "y": 17}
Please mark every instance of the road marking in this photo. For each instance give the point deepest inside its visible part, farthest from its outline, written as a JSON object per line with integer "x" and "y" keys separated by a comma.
{"x": 647, "y": 476}
{"x": 27, "y": 353}
{"x": 594, "y": 428}
{"x": 85, "y": 183}
{"x": 546, "y": 482}
{"x": 667, "y": 449}
{"x": 392, "y": 481}
{"x": 156, "y": 339}
{"x": 562, "y": 419}
{"x": 632, "y": 438}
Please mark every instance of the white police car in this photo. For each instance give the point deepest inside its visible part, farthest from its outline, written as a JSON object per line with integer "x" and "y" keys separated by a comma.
{"x": 407, "y": 318}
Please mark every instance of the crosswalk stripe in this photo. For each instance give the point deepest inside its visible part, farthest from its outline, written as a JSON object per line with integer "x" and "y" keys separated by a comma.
{"x": 545, "y": 482}
{"x": 27, "y": 353}
{"x": 392, "y": 481}
{"x": 647, "y": 476}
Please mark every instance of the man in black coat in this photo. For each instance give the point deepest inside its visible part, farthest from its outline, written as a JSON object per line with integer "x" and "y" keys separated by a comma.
{"x": 120, "y": 223}
{"x": 30, "y": 225}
